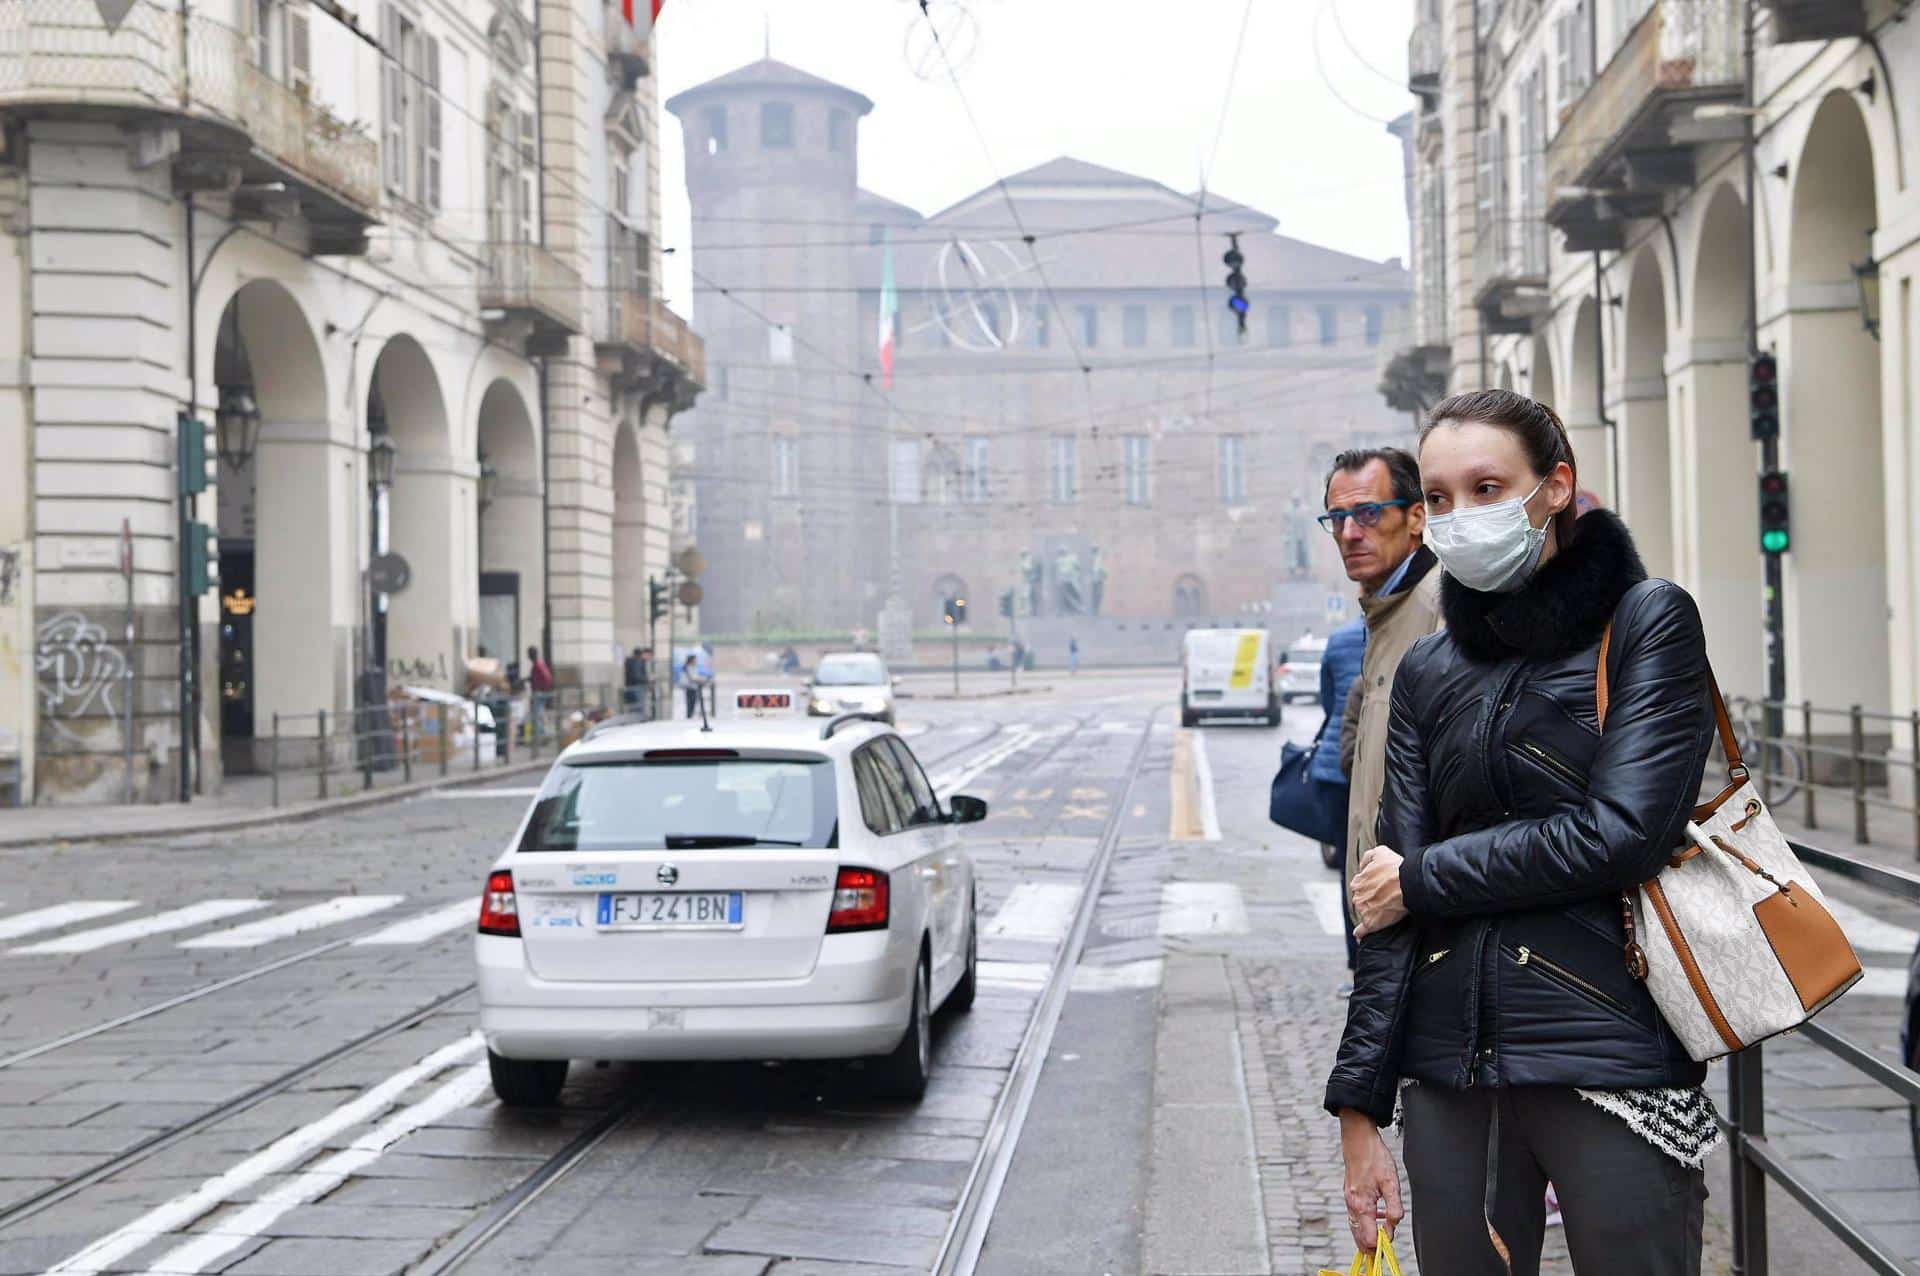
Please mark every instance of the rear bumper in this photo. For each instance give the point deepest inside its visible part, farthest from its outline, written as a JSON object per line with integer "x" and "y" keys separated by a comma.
{"x": 855, "y": 1002}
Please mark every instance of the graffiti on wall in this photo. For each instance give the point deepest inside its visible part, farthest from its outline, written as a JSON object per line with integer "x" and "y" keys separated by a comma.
{"x": 78, "y": 670}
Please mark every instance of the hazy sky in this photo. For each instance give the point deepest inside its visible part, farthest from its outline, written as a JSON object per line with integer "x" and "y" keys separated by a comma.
{"x": 1136, "y": 85}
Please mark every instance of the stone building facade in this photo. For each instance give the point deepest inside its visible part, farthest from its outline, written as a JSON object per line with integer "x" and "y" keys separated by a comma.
{"x": 1582, "y": 234}
{"x": 424, "y": 244}
{"x": 1085, "y": 407}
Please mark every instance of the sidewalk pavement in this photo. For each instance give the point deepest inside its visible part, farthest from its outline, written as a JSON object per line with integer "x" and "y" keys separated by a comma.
{"x": 243, "y": 802}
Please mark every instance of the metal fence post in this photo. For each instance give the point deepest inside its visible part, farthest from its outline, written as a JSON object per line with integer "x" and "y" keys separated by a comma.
{"x": 1768, "y": 754}
{"x": 476, "y": 735}
{"x": 406, "y": 747}
{"x": 503, "y": 732}
{"x": 326, "y": 753}
{"x": 275, "y": 757}
{"x": 1746, "y": 1103}
{"x": 1858, "y": 747}
{"x": 364, "y": 736}
{"x": 446, "y": 736}
{"x": 1914, "y": 723}
{"x": 1806, "y": 741}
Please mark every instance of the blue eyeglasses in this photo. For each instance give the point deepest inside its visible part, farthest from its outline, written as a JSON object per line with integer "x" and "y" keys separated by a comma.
{"x": 1367, "y": 515}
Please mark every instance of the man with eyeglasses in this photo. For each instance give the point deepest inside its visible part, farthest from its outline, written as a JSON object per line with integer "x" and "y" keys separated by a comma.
{"x": 1376, "y": 516}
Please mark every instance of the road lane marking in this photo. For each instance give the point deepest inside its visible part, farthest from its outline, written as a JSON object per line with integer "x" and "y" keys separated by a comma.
{"x": 309, "y": 1185}
{"x": 86, "y": 941}
{"x": 1325, "y": 898}
{"x": 1019, "y": 736}
{"x": 1203, "y": 781}
{"x": 288, "y": 1150}
{"x": 341, "y": 908}
{"x": 58, "y": 915}
{"x": 421, "y": 927}
{"x": 1129, "y": 976}
{"x": 1036, "y": 910}
{"x": 1015, "y": 974}
{"x": 1202, "y": 908}
{"x": 1868, "y": 933}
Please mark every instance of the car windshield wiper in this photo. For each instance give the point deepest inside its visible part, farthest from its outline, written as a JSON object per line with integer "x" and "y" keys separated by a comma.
{"x": 703, "y": 841}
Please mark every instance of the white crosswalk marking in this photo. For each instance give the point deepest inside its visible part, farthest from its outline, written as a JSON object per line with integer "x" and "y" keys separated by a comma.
{"x": 1128, "y": 976}
{"x": 1015, "y": 974}
{"x": 1868, "y": 934}
{"x": 1325, "y": 898}
{"x": 341, "y": 908}
{"x": 57, "y": 915}
{"x": 1202, "y": 908}
{"x": 86, "y": 941}
{"x": 1877, "y": 981}
{"x": 1035, "y": 910}
{"x": 424, "y": 926}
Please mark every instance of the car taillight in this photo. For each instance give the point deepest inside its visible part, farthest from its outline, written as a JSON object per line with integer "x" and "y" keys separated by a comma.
{"x": 859, "y": 901}
{"x": 499, "y": 912}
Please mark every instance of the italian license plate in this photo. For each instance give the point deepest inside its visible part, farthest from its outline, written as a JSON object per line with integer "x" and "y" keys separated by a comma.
{"x": 678, "y": 908}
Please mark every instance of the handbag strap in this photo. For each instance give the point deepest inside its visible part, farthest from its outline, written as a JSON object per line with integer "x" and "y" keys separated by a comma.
{"x": 1723, "y": 723}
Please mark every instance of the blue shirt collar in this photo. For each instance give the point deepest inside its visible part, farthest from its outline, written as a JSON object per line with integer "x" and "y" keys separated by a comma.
{"x": 1399, "y": 575}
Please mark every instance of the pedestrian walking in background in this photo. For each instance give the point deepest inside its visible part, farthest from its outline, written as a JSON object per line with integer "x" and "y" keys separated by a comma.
{"x": 1340, "y": 666}
{"x": 539, "y": 677}
{"x": 1378, "y": 520}
{"x": 1491, "y": 977}
{"x": 634, "y": 681}
{"x": 690, "y": 684}
{"x": 1073, "y": 654}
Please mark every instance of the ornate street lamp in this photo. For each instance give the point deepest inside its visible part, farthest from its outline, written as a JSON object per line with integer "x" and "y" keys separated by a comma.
{"x": 1866, "y": 278}
{"x": 489, "y": 480}
{"x": 236, "y": 426}
{"x": 381, "y": 454}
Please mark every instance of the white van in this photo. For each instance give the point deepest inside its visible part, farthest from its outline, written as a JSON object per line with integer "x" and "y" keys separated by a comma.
{"x": 1228, "y": 673}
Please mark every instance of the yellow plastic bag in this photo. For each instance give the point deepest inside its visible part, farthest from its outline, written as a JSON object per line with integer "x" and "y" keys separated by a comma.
{"x": 1384, "y": 1263}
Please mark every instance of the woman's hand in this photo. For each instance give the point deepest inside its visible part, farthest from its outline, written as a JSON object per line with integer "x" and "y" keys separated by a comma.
{"x": 1370, "y": 1179}
{"x": 1375, "y": 891}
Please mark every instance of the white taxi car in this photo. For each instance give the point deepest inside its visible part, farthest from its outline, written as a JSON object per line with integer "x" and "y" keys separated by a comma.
{"x": 775, "y": 888}
{"x": 851, "y": 682}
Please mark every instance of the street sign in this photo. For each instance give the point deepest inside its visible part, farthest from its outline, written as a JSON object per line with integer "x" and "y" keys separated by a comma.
{"x": 389, "y": 574}
{"x": 690, "y": 593}
{"x": 691, "y": 562}
{"x": 113, "y": 13}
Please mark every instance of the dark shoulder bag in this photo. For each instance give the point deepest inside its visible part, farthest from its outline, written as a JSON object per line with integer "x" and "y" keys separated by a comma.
{"x": 1314, "y": 809}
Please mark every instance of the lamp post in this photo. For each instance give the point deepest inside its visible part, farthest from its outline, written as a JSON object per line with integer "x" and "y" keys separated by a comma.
{"x": 237, "y": 426}
{"x": 1866, "y": 279}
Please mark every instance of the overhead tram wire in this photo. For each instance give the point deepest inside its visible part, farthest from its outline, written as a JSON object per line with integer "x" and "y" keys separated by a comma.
{"x": 1013, "y": 208}
{"x": 1333, "y": 11}
{"x": 1320, "y": 65}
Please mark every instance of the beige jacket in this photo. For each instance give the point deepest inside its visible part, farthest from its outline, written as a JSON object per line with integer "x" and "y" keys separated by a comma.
{"x": 1394, "y": 623}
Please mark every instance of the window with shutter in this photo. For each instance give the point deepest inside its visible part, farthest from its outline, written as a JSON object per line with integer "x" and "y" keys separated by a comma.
{"x": 299, "y": 48}
{"x": 529, "y": 170}
{"x": 1563, "y": 59}
{"x": 393, "y": 101}
{"x": 430, "y": 171}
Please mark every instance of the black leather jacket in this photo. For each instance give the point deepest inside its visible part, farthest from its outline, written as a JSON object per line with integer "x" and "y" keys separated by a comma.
{"x": 1521, "y": 824}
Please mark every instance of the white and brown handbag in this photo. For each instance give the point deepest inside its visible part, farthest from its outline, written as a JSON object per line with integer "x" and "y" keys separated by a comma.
{"x": 1733, "y": 938}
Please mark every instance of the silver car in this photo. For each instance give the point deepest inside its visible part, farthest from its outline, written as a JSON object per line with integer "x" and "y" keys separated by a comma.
{"x": 851, "y": 682}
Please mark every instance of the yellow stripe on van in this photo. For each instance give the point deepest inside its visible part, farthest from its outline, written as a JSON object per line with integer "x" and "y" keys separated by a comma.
{"x": 1243, "y": 657}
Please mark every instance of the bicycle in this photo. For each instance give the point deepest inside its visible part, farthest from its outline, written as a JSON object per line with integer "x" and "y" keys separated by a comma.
{"x": 1782, "y": 762}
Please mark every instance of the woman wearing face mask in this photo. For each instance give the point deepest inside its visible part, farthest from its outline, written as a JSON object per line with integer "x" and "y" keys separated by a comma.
{"x": 1493, "y": 996}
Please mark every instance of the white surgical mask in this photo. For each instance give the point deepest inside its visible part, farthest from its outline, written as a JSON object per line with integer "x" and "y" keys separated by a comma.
{"x": 1489, "y": 548}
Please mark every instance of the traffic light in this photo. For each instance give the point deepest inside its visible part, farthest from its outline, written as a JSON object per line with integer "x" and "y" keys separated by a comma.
{"x": 1763, "y": 396}
{"x": 203, "y": 559}
{"x": 191, "y": 453}
{"x": 658, "y": 601}
{"x": 1006, "y": 604}
{"x": 954, "y": 611}
{"x": 1775, "y": 535}
{"x": 1236, "y": 283}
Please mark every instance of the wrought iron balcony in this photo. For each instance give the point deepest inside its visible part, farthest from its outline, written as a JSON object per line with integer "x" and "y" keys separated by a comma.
{"x": 1423, "y": 59}
{"x": 648, "y": 348}
{"x": 527, "y": 284}
{"x": 1510, "y": 275}
{"x": 1620, "y": 138}
{"x": 626, "y": 48}
{"x": 199, "y": 99}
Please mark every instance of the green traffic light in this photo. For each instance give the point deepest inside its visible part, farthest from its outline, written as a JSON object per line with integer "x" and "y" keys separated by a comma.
{"x": 1774, "y": 541}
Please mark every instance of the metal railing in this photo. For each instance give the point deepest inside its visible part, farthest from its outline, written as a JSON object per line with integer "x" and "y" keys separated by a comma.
{"x": 672, "y": 337}
{"x": 1836, "y": 752}
{"x": 1755, "y": 1160}
{"x": 1510, "y": 249}
{"x": 1680, "y": 47}
{"x": 60, "y": 52}
{"x": 523, "y": 276}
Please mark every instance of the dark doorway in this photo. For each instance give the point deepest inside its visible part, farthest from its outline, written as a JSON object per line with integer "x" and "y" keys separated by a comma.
{"x": 237, "y": 604}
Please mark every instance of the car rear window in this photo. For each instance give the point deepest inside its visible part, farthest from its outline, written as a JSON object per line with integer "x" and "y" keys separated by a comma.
{"x": 684, "y": 804}
{"x": 850, "y": 671}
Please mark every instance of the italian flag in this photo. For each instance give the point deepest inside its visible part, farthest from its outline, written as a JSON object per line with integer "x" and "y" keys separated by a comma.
{"x": 889, "y": 308}
{"x": 626, "y": 10}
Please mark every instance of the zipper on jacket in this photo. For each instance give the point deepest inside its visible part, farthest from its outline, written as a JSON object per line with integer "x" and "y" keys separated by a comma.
{"x": 1503, "y": 701}
{"x": 1472, "y": 1059}
{"x": 1525, "y": 956}
{"x": 1534, "y": 753}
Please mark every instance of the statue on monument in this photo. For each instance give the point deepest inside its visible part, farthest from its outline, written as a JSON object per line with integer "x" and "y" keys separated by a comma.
{"x": 1066, "y": 576}
{"x": 1097, "y": 574}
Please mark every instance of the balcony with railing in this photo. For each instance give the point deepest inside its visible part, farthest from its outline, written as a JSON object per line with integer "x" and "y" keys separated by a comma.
{"x": 1618, "y": 150}
{"x": 1510, "y": 274}
{"x": 239, "y": 128}
{"x": 626, "y": 48}
{"x": 525, "y": 284}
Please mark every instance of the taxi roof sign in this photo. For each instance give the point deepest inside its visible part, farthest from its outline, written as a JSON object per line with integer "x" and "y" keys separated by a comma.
{"x": 763, "y": 702}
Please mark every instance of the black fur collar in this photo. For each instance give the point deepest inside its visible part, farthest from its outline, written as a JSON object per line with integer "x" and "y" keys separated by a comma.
{"x": 1563, "y": 609}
